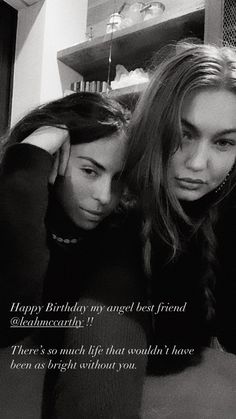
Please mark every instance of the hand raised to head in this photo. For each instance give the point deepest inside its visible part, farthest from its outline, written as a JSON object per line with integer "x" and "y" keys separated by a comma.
{"x": 55, "y": 141}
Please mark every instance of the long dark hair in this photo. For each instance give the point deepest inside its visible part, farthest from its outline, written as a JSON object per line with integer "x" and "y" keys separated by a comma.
{"x": 155, "y": 134}
{"x": 87, "y": 116}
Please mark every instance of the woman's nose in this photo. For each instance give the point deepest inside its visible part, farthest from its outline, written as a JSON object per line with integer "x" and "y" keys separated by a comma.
{"x": 102, "y": 192}
{"x": 197, "y": 156}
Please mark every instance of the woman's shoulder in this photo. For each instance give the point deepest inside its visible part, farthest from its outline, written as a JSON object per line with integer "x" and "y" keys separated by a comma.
{"x": 228, "y": 204}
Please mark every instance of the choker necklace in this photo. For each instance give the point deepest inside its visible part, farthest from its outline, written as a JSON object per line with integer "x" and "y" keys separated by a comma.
{"x": 66, "y": 241}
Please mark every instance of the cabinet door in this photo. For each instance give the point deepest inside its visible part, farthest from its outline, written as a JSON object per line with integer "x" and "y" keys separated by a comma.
{"x": 8, "y": 22}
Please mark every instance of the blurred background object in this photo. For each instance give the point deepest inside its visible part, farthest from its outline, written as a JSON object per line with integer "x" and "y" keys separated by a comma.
{"x": 114, "y": 22}
{"x": 125, "y": 78}
{"x": 153, "y": 9}
{"x": 134, "y": 12}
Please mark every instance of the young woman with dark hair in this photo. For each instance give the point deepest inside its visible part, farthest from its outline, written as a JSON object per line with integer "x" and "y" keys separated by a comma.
{"x": 181, "y": 167}
{"x": 60, "y": 178}
{"x": 61, "y": 230}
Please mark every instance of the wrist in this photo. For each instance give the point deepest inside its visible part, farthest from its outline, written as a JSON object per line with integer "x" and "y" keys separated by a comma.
{"x": 47, "y": 138}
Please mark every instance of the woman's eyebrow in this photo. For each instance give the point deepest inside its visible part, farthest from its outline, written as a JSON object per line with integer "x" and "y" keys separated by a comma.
{"x": 98, "y": 165}
{"x": 190, "y": 126}
{"x": 226, "y": 131}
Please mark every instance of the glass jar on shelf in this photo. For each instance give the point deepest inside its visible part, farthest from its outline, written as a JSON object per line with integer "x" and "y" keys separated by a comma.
{"x": 114, "y": 22}
{"x": 134, "y": 13}
{"x": 153, "y": 9}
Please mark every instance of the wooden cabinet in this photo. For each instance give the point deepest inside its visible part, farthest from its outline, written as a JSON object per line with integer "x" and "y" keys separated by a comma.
{"x": 136, "y": 45}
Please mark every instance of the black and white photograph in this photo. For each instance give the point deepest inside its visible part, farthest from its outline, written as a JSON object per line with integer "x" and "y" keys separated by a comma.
{"x": 118, "y": 209}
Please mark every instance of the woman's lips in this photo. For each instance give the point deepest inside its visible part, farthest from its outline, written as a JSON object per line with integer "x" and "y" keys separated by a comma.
{"x": 189, "y": 183}
{"x": 93, "y": 215}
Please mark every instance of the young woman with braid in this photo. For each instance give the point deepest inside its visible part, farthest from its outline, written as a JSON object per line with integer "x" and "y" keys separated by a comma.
{"x": 181, "y": 167}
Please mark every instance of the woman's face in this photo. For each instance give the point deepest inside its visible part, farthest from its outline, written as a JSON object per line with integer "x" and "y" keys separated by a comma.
{"x": 208, "y": 148}
{"x": 91, "y": 189}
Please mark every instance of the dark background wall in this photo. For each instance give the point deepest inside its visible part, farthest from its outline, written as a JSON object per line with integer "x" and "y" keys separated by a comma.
{"x": 8, "y": 23}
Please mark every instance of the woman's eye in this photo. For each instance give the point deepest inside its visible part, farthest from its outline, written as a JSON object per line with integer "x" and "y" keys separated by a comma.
{"x": 224, "y": 144}
{"x": 187, "y": 136}
{"x": 89, "y": 172}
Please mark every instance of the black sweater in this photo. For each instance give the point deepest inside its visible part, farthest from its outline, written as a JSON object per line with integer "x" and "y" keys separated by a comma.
{"x": 106, "y": 267}
{"x": 103, "y": 267}
{"x": 178, "y": 283}
{"x": 26, "y": 245}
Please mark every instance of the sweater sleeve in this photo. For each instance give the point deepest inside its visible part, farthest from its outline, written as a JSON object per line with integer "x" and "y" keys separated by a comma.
{"x": 226, "y": 282}
{"x": 23, "y": 202}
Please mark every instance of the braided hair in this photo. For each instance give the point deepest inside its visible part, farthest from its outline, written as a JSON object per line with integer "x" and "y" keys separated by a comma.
{"x": 155, "y": 133}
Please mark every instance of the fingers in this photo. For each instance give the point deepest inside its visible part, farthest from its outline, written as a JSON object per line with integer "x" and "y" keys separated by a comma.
{"x": 64, "y": 158}
{"x": 60, "y": 162}
{"x": 54, "y": 170}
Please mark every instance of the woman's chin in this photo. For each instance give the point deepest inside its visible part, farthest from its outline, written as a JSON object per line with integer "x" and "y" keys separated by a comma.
{"x": 188, "y": 195}
{"x": 86, "y": 224}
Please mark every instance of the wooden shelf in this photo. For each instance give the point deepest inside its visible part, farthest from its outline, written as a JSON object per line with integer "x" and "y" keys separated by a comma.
{"x": 127, "y": 90}
{"x": 134, "y": 46}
